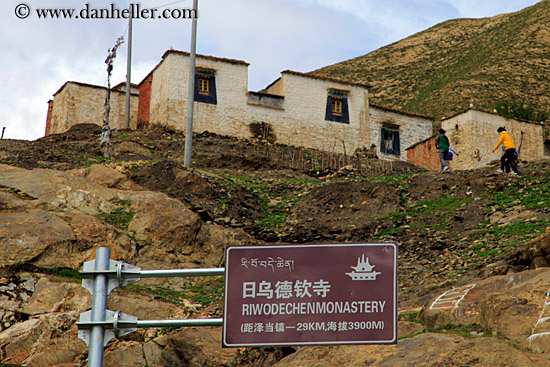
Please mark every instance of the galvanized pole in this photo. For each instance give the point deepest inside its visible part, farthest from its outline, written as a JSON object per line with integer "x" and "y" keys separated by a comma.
{"x": 191, "y": 90}
{"x": 129, "y": 71}
{"x": 99, "y": 307}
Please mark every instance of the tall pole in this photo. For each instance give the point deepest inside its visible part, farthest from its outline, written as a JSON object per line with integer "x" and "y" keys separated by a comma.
{"x": 99, "y": 307}
{"x": 191, "y": 90}
{"x": 129, "y": 71}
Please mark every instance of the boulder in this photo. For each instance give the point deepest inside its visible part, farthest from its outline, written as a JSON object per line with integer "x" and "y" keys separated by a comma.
{"x": 510, "y": 306}
{"x": 428, "y": 349}
{"x": 26, "y": 236}
{"x": 106, "y": 176}
{"x": 51, "y": 297}
{"x": 159, "y": 219}
{"x": 47, "y": 340}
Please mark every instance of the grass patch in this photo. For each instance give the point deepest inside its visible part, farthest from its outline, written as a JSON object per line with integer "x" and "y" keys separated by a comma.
{"x": 441, "y": 204}
{"x": 121, "y": 137}
{"x": 403, "y": 181}
{"x": 271, "y": 216}
{"x": 462, "y": 330}
{"x": 67, "y": 273}
{"x": 204, "y": 293}
{"x": 409, "y": 316}
{"x": 120, "y": 217}
{"x": 86, "y": 160}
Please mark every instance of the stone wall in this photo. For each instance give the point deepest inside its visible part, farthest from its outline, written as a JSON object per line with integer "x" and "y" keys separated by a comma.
{"x": 295, "y": 117}
{"x": 303, "y": 123}
{"x": 293, "y": 110}
{"x": 144, "y": 102}
{"x": 474, "y": 134}
{"x": 78, "y": 103}
{"x": 168, "y": 106}
{"x": 424, "y": 154}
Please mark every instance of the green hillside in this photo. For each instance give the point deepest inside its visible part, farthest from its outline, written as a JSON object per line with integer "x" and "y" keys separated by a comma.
{"x": 502, "y": 63}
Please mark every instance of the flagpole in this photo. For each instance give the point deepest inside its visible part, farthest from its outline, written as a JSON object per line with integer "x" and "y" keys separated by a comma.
{"x": 191, "y": 90}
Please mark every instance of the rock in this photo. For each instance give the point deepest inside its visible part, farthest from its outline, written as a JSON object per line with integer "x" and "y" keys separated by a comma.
{"x": 160, "y": 219}
{"x": 508, "y": 305}
{"x": 428, "y": 349}
{"x": 131, "y": 148}
{"x": 127, "y": 354}
{"x": 44, "y": 341}
{"x": 197, "y": 347}
{"x": 144, "y": 308}
{"x": 105, "y": 176}
{"x": 57, "y": 297}
{"x": 28, "y": 281}
{"x": 55, "y": 190}
{"x": 407, "y": 329}
{"x": 26, "y": 236}
{"x": 211, "y": 242}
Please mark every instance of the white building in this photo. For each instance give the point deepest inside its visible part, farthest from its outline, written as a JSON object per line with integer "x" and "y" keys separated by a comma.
{"x": 297, "y": 109}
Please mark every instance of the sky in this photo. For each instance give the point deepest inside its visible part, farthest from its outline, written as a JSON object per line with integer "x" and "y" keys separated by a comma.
{"x": 38, "y": 55}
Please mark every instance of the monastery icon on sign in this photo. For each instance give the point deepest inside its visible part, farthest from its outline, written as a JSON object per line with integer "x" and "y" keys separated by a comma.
{"x": 363, "y": 270}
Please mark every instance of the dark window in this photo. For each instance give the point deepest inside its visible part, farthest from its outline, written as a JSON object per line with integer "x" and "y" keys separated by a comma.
{"x": 205, "y": 88}
{"x": 389, "y": 143}
{"x": 337, "y": 108}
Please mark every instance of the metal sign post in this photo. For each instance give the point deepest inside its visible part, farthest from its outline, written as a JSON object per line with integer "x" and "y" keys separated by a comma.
{"x": 99, "y": 325}
{"x": 99, "y": 306}
{"x": 310, "y": 294}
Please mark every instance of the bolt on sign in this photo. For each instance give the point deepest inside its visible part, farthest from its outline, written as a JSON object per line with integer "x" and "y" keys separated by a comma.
{"x": 310, "y": 294}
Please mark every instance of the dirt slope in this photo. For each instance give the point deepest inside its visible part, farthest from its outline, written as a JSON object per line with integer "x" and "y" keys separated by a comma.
{"x": 451, "y": 227}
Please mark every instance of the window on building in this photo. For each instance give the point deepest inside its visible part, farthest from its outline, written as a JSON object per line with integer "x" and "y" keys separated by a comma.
{"x": 337, "y": 106}
{"x": 389, "y": 136}
{"x": 205, "y": 86}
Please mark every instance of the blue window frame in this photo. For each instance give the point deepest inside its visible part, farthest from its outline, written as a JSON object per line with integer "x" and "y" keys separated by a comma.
{"x": 205, "y": 88}
{"x": 337, "y": 108}
{"x": 389, "y": 140}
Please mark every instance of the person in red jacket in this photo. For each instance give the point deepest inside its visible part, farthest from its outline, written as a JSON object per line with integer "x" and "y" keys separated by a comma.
{"x": 509, "y": 151}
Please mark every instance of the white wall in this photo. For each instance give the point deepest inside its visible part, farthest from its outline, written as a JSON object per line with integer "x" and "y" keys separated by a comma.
{"x": 412, "y": 129}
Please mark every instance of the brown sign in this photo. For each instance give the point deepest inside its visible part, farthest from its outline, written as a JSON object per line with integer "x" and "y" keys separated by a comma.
{"x": 310, "y": 294}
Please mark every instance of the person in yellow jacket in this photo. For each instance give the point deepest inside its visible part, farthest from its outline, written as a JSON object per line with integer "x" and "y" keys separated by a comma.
{"x": 509, "y": 151}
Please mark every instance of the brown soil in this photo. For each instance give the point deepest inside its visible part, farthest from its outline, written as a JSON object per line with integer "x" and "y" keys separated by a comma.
{"x": 289, "y": 195}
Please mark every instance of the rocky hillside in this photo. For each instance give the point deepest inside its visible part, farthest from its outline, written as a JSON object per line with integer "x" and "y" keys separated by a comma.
{"x": 499, "y": 62}
{"x": 474, "y": 247}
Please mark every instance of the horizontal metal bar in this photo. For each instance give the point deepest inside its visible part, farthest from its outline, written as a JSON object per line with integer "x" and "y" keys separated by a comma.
{"x": 181, "y": 272}
{"x": 151, "y": 323}
{"x": 177, "y": 323}
{"x": 158, "y": 273}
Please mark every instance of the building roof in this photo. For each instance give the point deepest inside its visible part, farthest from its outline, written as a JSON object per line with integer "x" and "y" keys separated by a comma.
{"x": 333, "y": 80}
{"x": 411, "y": 114}
{"x": 421, "y": 142}
{"x": 122, "y": 86}
{"x": 92, "y": 86}
{"x": 187, "y": 54}
{"x": 214, "y": 58}
{"x": 492, "y": 113}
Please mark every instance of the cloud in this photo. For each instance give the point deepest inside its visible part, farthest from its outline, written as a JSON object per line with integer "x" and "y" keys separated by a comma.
{"x": 39, "y": 56}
